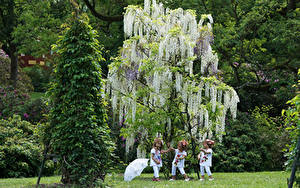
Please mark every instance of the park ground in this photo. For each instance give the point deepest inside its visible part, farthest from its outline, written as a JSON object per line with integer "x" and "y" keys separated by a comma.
{"x": 276, "y": 179}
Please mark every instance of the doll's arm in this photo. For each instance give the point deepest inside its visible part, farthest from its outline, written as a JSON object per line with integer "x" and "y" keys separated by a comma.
{"x": 155, "y": 160}
{"x": 205, "y": 151}
{"x": 168, "y": 150}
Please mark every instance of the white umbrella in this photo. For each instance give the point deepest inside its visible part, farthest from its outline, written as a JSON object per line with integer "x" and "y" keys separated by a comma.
{"x": 135, "y": 168}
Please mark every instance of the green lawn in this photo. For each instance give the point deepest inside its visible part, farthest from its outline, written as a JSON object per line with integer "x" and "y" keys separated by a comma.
{"x": 23, "y": 182}
{"x": 36, "y": 95}
{"x": 238, "y": 180}
{"x": 226, "y": 180}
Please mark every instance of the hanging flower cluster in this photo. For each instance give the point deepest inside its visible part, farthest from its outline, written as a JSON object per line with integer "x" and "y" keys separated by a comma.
{"x": 157, "y": 60}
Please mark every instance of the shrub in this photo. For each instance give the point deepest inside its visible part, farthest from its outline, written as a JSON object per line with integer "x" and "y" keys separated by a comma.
{"x": 253, "y": 142}
{"x": 36, "y": 109}
{"x": 40, "y": 77}
{"x": 23, "y": 82}
{"x": 20, "y": 154}
{"x": 13, "y": 102}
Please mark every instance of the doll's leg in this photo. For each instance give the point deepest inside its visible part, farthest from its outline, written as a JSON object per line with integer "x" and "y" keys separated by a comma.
{"x": 183, "y": 173}
{"x": 156, "y": 171}
{"x": 181, "y": 170}
{"x": 173, "y": 172}
{"x": 207, "y": 169}
{"x": 202, "y": 172}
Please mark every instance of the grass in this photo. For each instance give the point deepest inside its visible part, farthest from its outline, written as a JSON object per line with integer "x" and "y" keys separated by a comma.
{"x": 226, "y": 180}
{"x": 222, "y": 180}
{"x": 24, "y": 182}
{"x": 36, "y": 95}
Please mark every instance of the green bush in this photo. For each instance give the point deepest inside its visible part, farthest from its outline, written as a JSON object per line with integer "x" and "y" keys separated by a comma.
{"x": 14, "y": 102}
{"x": 20, "y": 153}
{"x": 36, "y": 109}
{"x": 23, "y": 82}
{"x": 40, "y": 77}
{"x": 253, "y": 142}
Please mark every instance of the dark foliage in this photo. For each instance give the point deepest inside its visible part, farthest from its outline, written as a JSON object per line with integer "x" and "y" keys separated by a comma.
{"x": 252, "y": 143}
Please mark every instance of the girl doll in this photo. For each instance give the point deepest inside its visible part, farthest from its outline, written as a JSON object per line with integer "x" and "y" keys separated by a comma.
{"x": 156, "y": 161}
{"x": 205, "y": 158}
{"x": 178, "y": 161}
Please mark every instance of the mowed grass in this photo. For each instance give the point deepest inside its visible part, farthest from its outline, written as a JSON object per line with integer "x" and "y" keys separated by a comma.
{"x": 36, "y": 95}
{"x": 226, "y": 180}
{"x": 25, "y": 182}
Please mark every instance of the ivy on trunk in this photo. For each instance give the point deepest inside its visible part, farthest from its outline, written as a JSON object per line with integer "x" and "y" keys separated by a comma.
{"x": 79, "y": 132}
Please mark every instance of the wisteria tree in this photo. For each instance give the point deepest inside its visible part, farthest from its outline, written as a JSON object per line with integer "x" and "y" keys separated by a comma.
{"x": 166, "y": 79}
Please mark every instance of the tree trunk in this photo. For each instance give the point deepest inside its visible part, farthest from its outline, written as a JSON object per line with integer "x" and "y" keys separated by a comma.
{"x": 118, "y": 18}
{"x": 292, "y": 5}
{"x": 193, "y": 143}
{"x": 42, "y": 165}
{"x": 65, "y": 176}
{"x": 13, "y": 64}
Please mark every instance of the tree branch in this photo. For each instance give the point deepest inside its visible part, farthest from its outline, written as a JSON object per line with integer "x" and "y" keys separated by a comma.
{"x": 100, "y": 16}
{"x": 291, "y": 5}
{"x": 203, "y": 3}
{"x": 284, "y": 66}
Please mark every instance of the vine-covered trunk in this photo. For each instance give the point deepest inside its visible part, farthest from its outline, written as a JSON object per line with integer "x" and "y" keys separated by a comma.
{"x": 80, "y": 134}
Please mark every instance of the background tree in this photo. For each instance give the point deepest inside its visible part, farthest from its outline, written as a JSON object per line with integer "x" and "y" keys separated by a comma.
{"x": 23, "y": 84}
{"x": 253, "y": 142}
{"x": 256, "y": 40}
{"x": 106, "y": 16}
{"x": 258, "y": 44}
{"x": 39, "y": 26}
{"x": 80, "y": 135}
{"x": 9, "y": 12}
{"x": 29, "y": 27}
